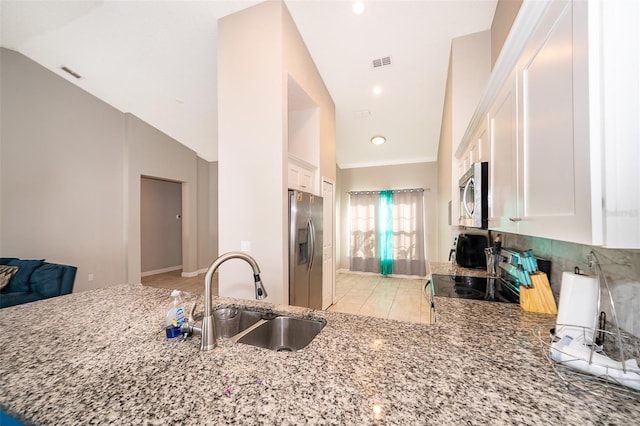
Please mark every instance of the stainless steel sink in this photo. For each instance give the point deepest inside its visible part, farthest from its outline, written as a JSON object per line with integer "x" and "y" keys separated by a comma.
{"x": 231, "y": 321}
{"x": 283, "y": 333}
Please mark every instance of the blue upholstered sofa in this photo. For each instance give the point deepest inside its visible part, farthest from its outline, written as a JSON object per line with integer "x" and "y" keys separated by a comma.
{"x": 36, "y": 280}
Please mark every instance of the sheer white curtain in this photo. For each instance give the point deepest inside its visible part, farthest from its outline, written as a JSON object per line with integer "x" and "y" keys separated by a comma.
{"x": 408, "y": 232}
{"x": 363, "y": 214}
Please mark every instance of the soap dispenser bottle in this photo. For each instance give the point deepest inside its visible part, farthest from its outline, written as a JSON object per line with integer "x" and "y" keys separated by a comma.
{"x": 175, "y": 315}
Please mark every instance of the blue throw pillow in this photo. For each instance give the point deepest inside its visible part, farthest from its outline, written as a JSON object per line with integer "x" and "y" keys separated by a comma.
{"x": 6, "y": 273}
{"x": 20, "y": 281}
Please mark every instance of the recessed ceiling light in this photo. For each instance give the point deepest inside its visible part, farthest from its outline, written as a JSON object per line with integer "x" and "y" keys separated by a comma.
{"x": 378, "y": 140}
{"x": 358, "y": 7}
{"x": 377, "y": 90}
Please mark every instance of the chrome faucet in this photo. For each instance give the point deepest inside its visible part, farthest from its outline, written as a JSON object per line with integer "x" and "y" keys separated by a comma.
{"x": 208, "y": 333}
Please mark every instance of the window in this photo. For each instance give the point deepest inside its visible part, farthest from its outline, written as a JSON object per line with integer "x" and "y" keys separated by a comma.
{"x": 387, "y": 232}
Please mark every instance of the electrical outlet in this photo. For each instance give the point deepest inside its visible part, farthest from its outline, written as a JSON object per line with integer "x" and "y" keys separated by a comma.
{"x": 245, "y": 245}
{"x": 90, "y": 278}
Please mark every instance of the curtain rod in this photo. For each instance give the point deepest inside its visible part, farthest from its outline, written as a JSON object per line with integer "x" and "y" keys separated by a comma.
{"x": 393, "y": 190}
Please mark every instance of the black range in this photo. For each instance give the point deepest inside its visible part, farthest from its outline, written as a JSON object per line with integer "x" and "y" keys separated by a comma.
{"x": 476, "y": 288}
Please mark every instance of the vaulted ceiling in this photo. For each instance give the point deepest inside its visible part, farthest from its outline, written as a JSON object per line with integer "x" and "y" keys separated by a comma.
{"x": 157, "y": 60}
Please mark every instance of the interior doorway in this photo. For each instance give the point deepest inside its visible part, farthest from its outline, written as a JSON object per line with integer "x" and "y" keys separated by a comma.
{"x": 160, "y": 225}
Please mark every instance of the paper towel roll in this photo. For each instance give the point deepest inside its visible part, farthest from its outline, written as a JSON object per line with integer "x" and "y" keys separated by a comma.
{"x": 578, "y": 305}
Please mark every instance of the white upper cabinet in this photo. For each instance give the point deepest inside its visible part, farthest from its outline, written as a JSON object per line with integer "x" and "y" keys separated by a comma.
{"x": 614, "y": 101}
{"x": 301, "y": 175}
{"x": 563, "y": 108}
{"x": 554, "y": 192}
{"x": 503, "y": 161}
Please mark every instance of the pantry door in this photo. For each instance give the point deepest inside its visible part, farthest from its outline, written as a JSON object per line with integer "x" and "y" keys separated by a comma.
{"x": 328, "y": 244}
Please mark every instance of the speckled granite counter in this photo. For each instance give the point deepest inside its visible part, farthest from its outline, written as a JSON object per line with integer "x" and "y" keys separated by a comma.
{"x": 101, "y": 357}
{"x": 448, "y": 268}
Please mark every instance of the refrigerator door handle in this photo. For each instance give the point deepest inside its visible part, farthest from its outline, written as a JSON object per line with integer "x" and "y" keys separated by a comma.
{"x": 312, "y": 237}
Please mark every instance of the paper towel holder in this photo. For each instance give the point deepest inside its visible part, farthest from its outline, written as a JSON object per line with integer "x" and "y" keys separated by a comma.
{"x": 622, "y": 380}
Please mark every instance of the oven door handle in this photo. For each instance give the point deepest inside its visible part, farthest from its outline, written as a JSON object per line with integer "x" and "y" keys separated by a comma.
{"x": 428, "y": 285}
{"x": 424, "y": 289}
{"x": 429, "y": 298}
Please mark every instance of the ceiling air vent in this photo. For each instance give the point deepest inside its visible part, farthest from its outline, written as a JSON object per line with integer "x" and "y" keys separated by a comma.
{"x": 382, "y": 62}
{"x": 363, "y": 113}
{"x": 70, "y": 71}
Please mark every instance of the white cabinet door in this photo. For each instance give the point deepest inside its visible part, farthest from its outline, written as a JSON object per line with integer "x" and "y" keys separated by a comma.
{"x": 305, "y": 181}
{"x": 554, "y": 195}
{"x": 503, "y": 166}
{"x": 614, "y": 55}
{"x": 477, "y": 151}
{"x": 300, "y": 177}
{"x": 482, "y": 139}
{"x": 293, "y": 177}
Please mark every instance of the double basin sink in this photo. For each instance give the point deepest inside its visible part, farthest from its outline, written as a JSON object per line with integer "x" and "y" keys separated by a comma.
{"x": 265, "y": 329}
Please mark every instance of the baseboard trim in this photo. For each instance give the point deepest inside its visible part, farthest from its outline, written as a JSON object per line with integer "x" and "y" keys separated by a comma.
{"x": 194, "y": 273}
{"x": 161, "y": 271}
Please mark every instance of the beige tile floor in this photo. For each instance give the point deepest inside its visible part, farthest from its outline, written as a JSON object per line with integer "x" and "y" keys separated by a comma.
{"x": 364, "y": 294}
{"x": 383, "y": 297}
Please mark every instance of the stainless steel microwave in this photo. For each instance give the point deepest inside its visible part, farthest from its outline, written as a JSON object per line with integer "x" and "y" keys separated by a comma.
{"x": 474, "y": 189}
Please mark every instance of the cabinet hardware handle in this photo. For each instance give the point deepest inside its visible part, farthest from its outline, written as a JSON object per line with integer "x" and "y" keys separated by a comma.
{"x": 515, "y": 219}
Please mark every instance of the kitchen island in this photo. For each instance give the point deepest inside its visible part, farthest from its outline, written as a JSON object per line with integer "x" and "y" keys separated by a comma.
{"x": 101, "y": 357}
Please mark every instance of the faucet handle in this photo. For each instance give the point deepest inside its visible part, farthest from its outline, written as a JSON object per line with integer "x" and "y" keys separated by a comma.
{"x": 190, "y": 318}
{"x": 188, "y": 328}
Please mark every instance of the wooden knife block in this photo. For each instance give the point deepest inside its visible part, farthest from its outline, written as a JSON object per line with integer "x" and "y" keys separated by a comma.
{"x": 539, "y": 297}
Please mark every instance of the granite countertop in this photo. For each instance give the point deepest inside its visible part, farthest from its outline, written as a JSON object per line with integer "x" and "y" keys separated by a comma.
{"x": 101, "y": 357}
{"x": 448, "y": 268}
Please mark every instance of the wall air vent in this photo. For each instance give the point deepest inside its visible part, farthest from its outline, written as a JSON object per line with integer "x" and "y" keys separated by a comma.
{"x": 70, "y": 71}
{"x": 382, "y": 62}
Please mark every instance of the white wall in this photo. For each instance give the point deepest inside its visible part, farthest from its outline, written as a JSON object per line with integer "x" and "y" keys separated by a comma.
{"x": 299, "y": 65}
{"x": 207, "y": 213}
{"x": 304, "y": 126}
{"x": 506, "y": 12}
{"x": 469, "y": 70}
{"x": 70, "y": 168}
{"x": 258, "y": 48}
{"x": 61, "y": 174}
{"x": 172, "y": 161}
{"x": 251, "y": 155}
{"x": 471, "y": 67}
{"x": 445, "y": 176}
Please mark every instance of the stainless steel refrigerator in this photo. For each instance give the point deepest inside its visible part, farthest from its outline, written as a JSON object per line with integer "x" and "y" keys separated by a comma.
{"x": 305, "y": 249}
